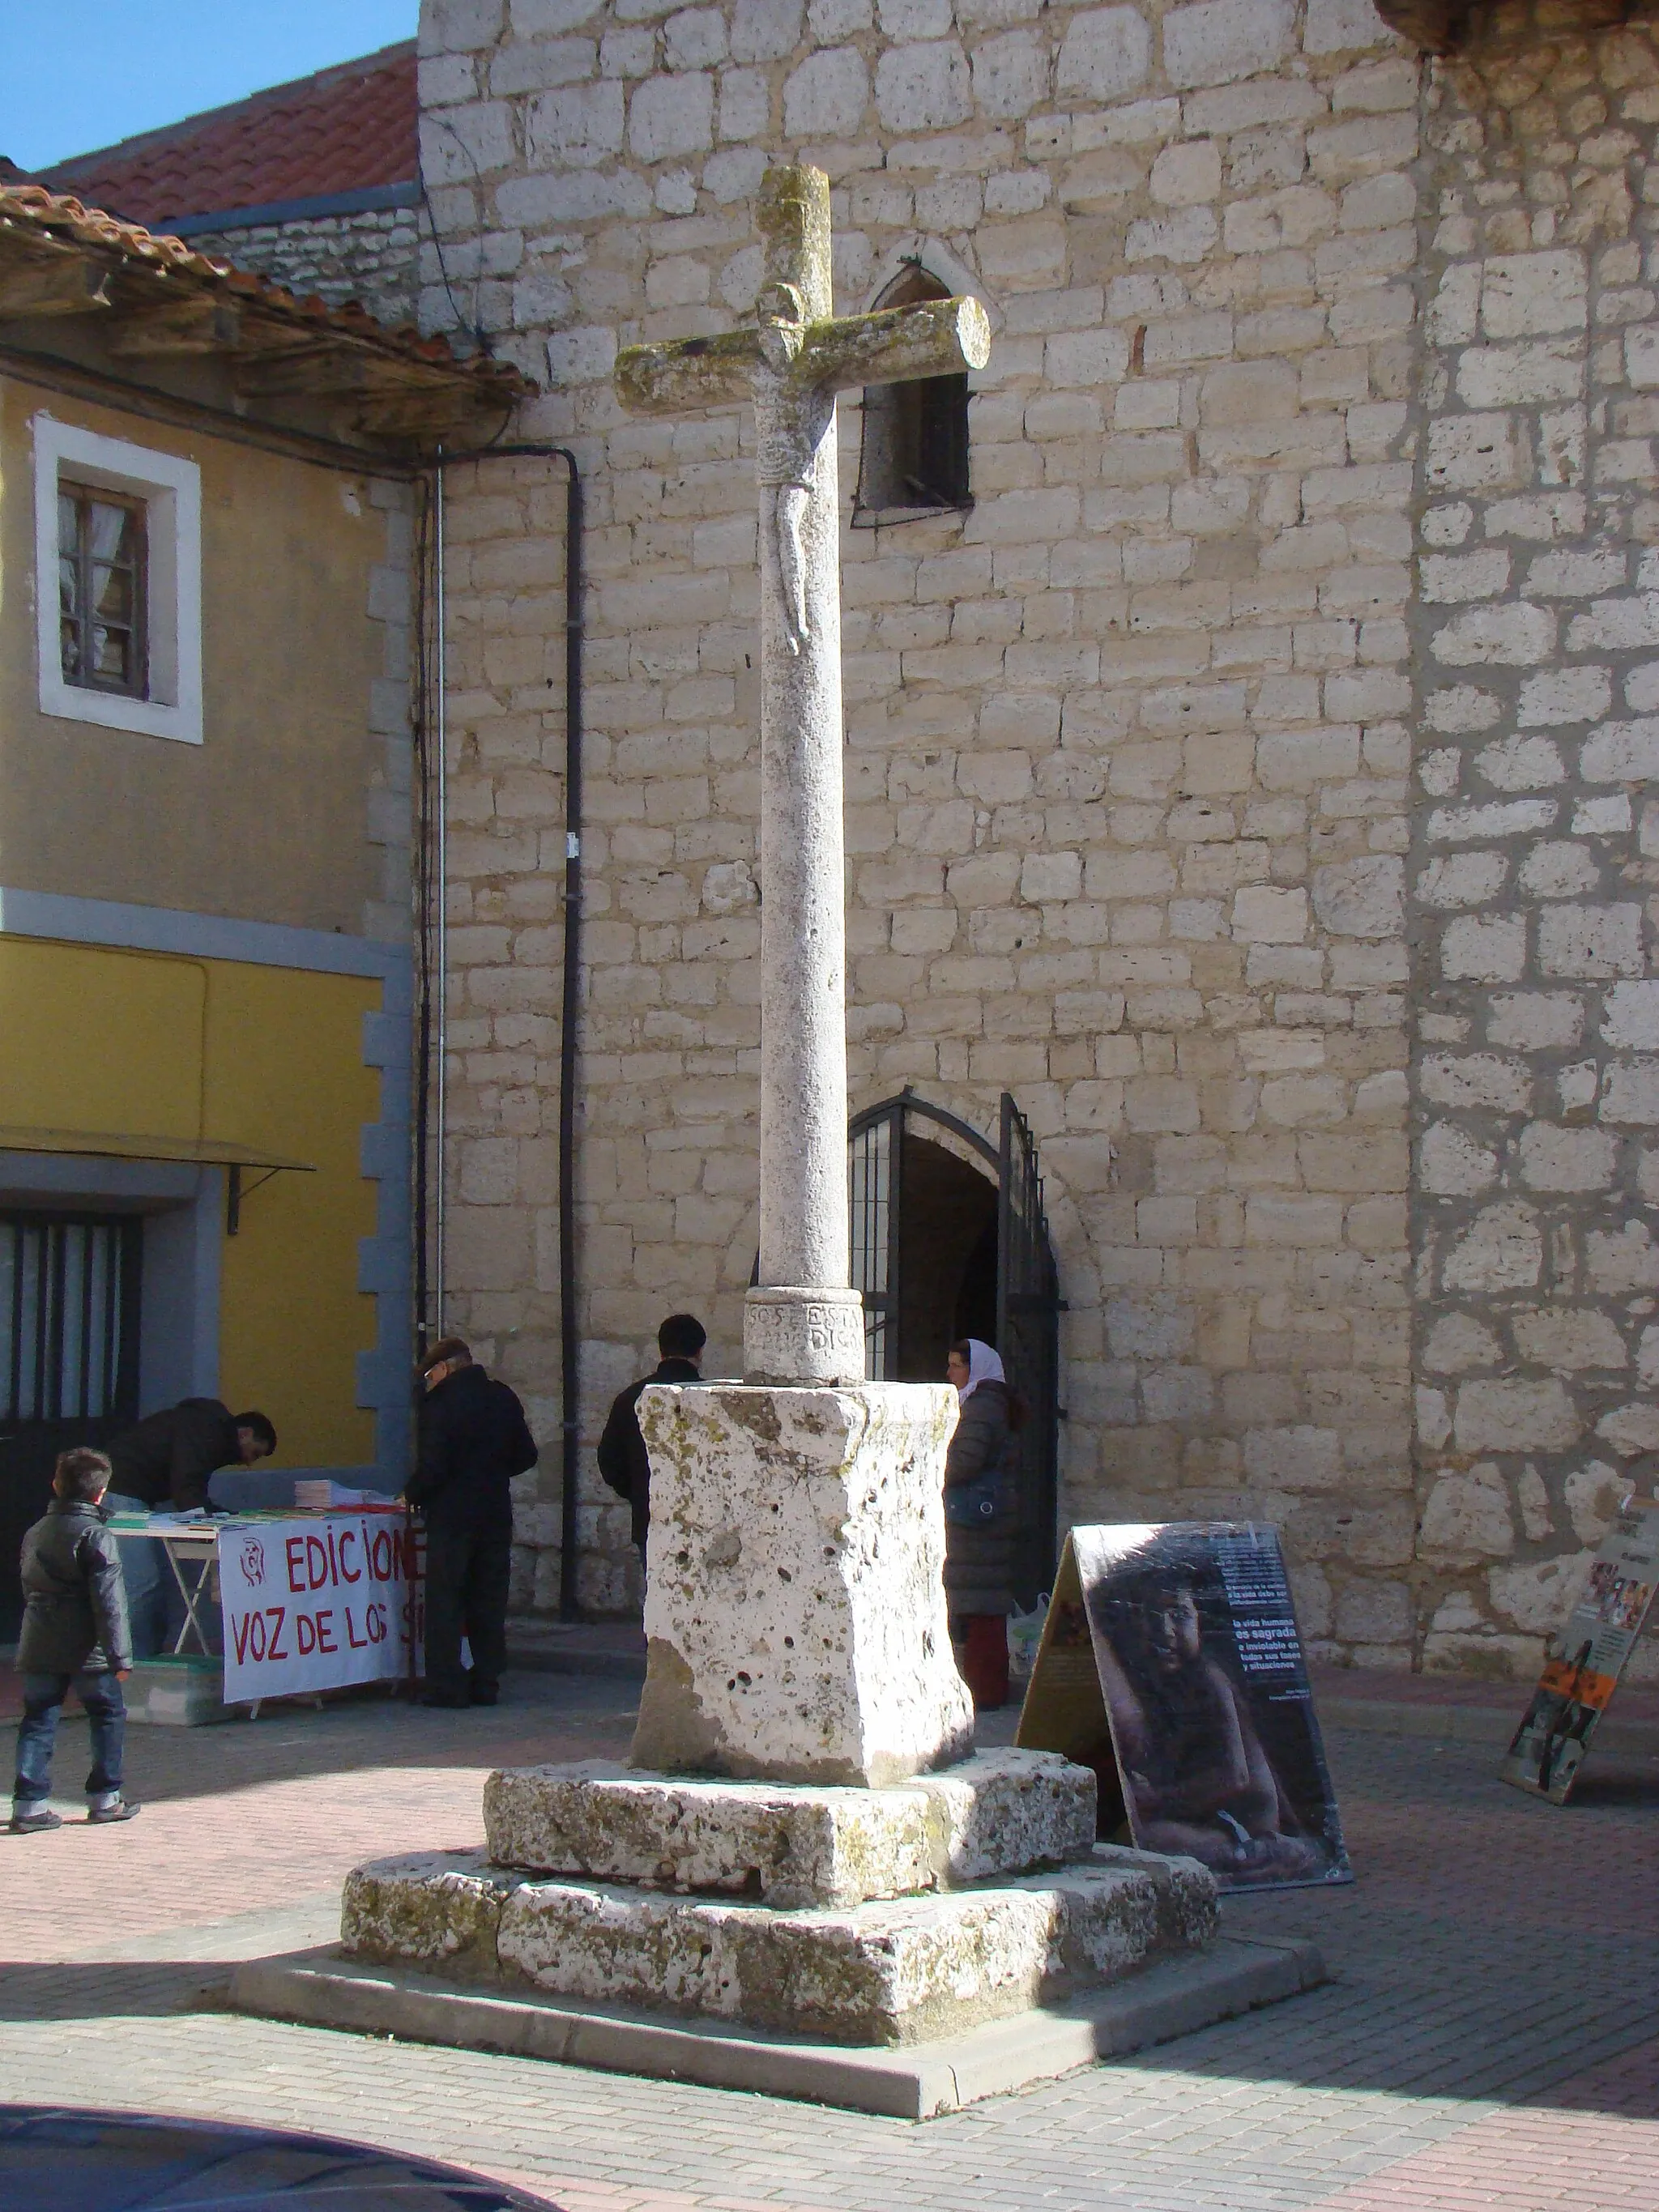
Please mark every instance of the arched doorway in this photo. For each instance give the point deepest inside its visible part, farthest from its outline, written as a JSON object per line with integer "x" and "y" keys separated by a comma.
{"x": 950, "y": 1240}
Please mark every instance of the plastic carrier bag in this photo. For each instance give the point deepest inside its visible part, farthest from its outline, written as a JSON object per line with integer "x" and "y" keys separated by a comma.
{"x": 1024, "y": 1634}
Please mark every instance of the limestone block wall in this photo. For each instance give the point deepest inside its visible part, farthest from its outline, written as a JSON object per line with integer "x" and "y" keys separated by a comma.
{"x": 1129, "y": 743}
{"x": 372, "y": 257}
{"x": 1535, "y": 842}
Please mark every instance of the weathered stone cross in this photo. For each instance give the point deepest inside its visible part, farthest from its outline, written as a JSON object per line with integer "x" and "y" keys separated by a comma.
{"x": 802, "y": 1324}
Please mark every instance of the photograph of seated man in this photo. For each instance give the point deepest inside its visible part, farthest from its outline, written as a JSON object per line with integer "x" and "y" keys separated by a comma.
{"x": 1198, "y": 1779}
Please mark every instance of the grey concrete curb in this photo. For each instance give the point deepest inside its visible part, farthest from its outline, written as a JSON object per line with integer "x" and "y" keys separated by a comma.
{"x": 321, "y": 1989}
{"x": 1487, "y": 1724}
{"x": 549, "y": 1659}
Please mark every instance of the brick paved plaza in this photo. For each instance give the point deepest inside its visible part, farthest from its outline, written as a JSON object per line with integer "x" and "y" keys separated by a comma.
{"x": 1488, "y": 2039}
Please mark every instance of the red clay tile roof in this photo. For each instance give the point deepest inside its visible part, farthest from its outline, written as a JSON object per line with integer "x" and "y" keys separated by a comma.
{"x": 34, "y": 220}
{"x": 344, "y": 130}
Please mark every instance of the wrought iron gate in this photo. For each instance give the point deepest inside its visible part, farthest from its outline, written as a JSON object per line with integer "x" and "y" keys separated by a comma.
{"x": 875, "y": 1156}
{"x": 1028, "y": 1338}
{"x": 68, "y": 1355}
{"x": 1027, "y": 1302}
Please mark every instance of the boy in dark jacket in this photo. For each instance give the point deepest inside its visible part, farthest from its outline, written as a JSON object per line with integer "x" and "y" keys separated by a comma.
{"x": 74, "y": 1631}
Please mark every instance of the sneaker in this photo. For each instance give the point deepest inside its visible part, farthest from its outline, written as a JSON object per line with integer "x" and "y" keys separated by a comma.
{"x": 101, "y": 1816}
{"x": 35, "y": 1822}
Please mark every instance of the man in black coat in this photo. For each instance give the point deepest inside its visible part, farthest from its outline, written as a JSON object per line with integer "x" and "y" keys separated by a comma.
{"x": 622, "y": 1459}
{"x": 473, "y": 1440}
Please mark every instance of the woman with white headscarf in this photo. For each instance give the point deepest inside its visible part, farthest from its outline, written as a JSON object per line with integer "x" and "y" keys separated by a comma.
{"x": 979, "y": 1518}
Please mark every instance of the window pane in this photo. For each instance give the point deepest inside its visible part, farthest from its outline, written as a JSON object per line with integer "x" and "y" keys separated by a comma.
{"x": 112, "y": 653}
{"x": 101, "y": 590}
{"x": 112, "y": 593}
{"x": 109, "y": 531}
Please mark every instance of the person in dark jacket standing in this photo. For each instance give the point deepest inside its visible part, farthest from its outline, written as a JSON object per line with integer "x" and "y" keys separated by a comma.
{"x": 622, "y": 1458}
{"x": 164, "y": 1464}
{"x": 979, "y": 1518}
{"x": 473, "y": 1440}
{"x": 75, "y": 1631}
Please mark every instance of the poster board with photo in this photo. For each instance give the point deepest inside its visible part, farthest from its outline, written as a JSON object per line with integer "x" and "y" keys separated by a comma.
{"x": 1577, "y": 1683}
{"x": 1171, "y": 1663}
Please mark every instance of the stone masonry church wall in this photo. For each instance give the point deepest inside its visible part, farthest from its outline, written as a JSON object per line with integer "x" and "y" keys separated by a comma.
{"x": 1535, "y": 849}
{"x": 1132, "y": 825}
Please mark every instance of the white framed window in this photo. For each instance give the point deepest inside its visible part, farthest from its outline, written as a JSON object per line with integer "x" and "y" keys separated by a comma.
{"x": 118, "y": 583}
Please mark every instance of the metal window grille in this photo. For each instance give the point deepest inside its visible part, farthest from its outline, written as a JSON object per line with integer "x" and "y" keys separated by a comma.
{"x": 102, "y": 588}
{"x": 68, "y": 1317}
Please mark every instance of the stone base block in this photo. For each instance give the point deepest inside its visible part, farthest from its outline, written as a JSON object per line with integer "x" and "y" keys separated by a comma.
{"x": 886, "y": 1973}
{"x": 1171, "y": 1997}
{"x": 794, "y": 1609}
{"x": 1001, "y": 1812}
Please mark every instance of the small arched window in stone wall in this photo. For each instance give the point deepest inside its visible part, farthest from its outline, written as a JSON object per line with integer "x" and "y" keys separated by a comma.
{"x": 912, "y": 459}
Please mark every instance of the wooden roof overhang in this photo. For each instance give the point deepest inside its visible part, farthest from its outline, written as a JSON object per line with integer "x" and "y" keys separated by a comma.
{"x": 151, "y": 306}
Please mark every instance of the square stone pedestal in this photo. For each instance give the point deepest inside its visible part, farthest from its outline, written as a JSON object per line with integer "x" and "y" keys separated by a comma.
{"x": 999, "y": 1812}
{"x": 794, "y": 1606}
{"x": 820, "y": 1874}
{"x": 872, "y": 1916}
{"x": 900, "y": 1970}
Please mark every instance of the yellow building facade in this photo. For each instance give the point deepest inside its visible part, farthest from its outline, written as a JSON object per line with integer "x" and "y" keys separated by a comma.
{"x": 208, "y": 503}
{"x": 141, "y": 1080}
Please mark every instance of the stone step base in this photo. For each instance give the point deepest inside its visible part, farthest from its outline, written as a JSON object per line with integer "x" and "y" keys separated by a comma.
{"x": 999, "y": 1813}
{"x": 1171, "y": 1997}
{"x": 902, "y": 1970}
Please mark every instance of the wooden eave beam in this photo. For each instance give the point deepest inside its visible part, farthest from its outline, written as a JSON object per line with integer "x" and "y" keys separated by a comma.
{"x": 58, "y": 283}
{"x": 203, "y": 325}
{"x": 331, "y": 366}
{"x": 424, "y": 415}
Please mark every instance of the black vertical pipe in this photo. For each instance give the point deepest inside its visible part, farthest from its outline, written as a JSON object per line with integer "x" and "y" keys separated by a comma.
{"x": 570, "y": 1330}
{"x": 570, "y": 1002}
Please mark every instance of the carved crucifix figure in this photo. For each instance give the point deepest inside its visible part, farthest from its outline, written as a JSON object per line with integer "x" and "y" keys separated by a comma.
{"x": 802, "y": 1323}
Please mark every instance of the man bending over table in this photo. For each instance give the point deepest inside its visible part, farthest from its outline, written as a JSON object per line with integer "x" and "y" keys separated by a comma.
{"x": 163, "y": 1465}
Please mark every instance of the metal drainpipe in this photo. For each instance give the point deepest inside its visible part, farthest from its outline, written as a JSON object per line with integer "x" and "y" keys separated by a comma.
{"x": 440, "y": 1085}
{"x": 570, "y": 1003}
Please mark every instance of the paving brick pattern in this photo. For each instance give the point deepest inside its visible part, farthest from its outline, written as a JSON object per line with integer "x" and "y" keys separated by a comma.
{"x": 1488, "y": 2039}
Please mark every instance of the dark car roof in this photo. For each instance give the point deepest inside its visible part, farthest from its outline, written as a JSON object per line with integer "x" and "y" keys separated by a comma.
{"x": 93, "y": 2161}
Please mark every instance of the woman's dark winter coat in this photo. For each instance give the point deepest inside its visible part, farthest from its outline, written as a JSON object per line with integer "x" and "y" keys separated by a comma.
{"x": 74, "y": 1602}
{"x": 979, "y": 1561}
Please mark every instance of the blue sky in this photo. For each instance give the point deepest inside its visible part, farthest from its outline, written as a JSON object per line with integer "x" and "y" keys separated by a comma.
{"x": 79, "y": 74}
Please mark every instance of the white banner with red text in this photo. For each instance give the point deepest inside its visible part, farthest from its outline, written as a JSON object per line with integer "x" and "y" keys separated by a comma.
{"x": 316, "y": 1602}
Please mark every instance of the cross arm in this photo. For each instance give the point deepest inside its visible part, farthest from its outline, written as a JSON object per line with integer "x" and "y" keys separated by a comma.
{"x": 681, "y": 374}
{"x": 929, "y": 337}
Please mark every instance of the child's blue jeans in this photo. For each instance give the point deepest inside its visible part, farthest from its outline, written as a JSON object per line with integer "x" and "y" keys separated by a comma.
{"x": 43, "y": 1708}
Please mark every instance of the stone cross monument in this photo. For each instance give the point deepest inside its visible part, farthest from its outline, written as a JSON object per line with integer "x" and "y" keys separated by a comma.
{"x": 802, "y": 1323}
{"x": 778, "y": 1853}
{"x": 795, "y": 1608}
